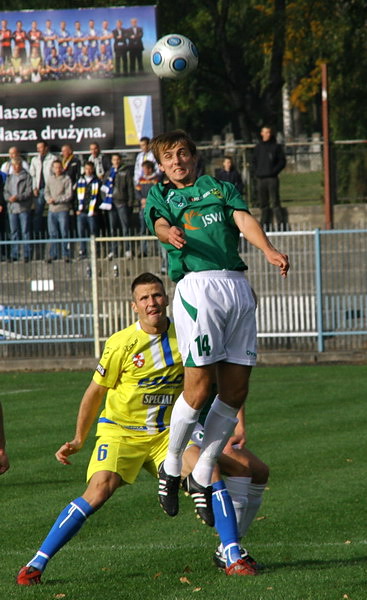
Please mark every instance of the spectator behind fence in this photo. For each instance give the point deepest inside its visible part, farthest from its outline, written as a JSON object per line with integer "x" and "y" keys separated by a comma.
{"x": 101, "y": 162}
{"x": 40, "y": 169}
{"x": 59, "y": 195}
{"x": 7, "y": 167}
{"x": 228, "y": 172}
{"x": 144, "y": 154}
{"x": 71, "y": 164}
{"x": 18, "y": 194}
{"x": 118, "y": 199}
{"x": 3, "y": 218}
{"x": 146, "y": 181}
{"x": 88, "y": 202}
{"x": 268, "y": 161}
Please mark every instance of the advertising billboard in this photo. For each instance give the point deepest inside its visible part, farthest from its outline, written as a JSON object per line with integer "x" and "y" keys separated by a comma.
{"x": 78, "y": 75}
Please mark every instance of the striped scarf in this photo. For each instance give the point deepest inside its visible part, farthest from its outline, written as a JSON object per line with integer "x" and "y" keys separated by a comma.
{"x": 107, "y": 188}
{"x": 81, "y": 190}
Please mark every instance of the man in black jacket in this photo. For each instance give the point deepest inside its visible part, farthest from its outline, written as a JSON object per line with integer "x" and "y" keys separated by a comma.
{"x": 118, "y": 197}
{"x": 268, "y": 161}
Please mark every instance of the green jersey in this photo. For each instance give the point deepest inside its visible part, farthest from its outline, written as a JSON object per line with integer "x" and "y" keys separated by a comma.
{"x": 205, "y": 212}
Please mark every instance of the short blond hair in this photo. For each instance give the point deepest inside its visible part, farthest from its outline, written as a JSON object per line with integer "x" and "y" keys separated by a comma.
{"x": 164, "y": 141}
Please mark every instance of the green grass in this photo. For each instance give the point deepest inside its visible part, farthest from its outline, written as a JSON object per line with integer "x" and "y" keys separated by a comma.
{"x": 304, "y": 189}
{"x": 308, "y": 423}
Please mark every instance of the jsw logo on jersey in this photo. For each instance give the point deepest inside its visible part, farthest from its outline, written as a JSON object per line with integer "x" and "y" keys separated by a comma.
{"x": 149, "y": 382}
{"x": 208, "y": 219}
{"x": 211, "y": 218}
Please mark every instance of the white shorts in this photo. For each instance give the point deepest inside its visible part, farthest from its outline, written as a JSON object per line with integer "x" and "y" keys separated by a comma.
{"x": 214, "y": 313}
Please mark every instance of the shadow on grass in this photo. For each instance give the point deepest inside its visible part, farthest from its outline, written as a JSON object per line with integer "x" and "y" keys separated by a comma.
{"x": 319, "y": 564}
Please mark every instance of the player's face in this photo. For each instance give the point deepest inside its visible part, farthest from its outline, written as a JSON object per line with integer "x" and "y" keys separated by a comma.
{"x": 178, "y": 164}
{"x": 150, "y": 303}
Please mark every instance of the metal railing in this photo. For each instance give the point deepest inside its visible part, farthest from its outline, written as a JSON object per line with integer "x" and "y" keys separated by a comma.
{"x": 66, "y": 309}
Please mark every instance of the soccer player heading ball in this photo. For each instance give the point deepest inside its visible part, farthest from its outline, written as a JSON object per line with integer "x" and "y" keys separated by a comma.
{"x": 198, "y": 221}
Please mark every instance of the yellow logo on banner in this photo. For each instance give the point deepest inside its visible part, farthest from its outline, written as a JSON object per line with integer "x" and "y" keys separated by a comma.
{"x": 137, "y": 118}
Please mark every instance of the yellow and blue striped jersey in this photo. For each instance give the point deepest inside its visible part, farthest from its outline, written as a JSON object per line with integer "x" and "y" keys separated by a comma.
{"x": 144, "y": 374}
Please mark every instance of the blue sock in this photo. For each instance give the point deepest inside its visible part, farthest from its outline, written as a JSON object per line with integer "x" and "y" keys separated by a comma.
{"x": 225, "y": 522}
{"x": 67, "y": 524}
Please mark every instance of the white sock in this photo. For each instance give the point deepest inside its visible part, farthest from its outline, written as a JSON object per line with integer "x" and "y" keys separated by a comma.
{"x": 183, "y": 421}
{"x": 255, "y": 498}
{"x": 238, "y": 489}
{"x": 219, "y": 424}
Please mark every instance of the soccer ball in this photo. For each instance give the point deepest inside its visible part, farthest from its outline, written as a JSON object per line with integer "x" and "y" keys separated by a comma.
{"x": 173, "y": 56}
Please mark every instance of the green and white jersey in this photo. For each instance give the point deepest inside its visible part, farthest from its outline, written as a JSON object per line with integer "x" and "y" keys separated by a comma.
{"x": 205, "y": 212}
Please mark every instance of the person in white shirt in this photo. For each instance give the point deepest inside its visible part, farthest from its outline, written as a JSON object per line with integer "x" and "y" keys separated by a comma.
{"x": 143, "y": 155}
{"x": 101, "y": 162}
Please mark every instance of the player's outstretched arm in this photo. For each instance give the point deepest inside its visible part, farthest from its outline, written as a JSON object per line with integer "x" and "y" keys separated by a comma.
{"x": 88, "y": 410}
{"x": 255, "y": 234}
{"x": 169, "y": 234}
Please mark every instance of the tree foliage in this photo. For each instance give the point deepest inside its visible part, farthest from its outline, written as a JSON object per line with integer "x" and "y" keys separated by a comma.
{"x": 248, "y": 49}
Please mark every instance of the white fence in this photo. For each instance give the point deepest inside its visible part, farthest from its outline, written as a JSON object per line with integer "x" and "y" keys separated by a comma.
{"x": 68, "y": 309}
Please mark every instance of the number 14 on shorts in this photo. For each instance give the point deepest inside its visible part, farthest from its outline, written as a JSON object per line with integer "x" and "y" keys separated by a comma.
{"x": 203, "y": 346}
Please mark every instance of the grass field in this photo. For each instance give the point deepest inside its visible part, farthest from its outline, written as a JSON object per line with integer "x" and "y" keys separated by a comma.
{"x": 301, "y": 189}
{"x": 308, "y": 423}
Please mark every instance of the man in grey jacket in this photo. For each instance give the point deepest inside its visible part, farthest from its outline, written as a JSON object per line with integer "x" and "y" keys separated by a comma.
{"x": 40, "y": 170}
{"x": 58, "y": 195}
{"x": 18, "y": 194}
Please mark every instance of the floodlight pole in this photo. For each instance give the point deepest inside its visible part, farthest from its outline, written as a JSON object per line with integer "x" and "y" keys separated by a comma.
{"x": 328, "y": 205}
